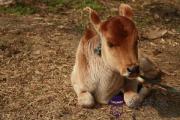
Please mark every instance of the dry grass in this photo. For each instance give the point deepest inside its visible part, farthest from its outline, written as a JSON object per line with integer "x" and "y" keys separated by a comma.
{"x": 36, "y": 58}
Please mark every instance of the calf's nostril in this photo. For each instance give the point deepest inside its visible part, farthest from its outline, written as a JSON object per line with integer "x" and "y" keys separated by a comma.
{"x": 133, "y": 69}
{"x": 130, "y": 69}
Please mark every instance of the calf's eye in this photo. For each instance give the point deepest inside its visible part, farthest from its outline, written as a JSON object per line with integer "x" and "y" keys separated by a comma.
{"x": 110, "y": 44}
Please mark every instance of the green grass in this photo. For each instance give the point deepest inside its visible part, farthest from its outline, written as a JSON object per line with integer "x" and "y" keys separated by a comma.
{"x": 54, "y": 3}
{"x": 144, "y": 22}
{"x": 19, "y": 9}
{"x": 90, "y": 3}
{"x": 53, "y": 6}
{"x": 25, "y": 9}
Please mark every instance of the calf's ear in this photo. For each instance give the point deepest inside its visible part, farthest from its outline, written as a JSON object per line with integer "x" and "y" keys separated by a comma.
{"x": 94, "y": 18}
{"x": 126, "y": 11}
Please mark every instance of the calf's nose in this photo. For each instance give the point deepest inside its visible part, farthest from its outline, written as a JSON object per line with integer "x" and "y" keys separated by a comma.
{"x": 133, "y": 69}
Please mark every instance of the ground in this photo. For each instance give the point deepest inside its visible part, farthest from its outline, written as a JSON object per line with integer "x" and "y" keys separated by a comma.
{"x": 37, "y": 53}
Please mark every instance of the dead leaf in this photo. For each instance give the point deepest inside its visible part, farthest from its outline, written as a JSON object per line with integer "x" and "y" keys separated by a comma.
{"x": 154, "y": 33}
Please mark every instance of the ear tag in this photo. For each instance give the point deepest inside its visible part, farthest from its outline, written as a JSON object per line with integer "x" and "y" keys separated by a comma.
{"x": 97, "y": 50}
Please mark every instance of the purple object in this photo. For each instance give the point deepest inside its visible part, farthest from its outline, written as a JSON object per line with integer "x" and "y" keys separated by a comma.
{"x": 117, "y": 100}
{"x": 116, "y": 105}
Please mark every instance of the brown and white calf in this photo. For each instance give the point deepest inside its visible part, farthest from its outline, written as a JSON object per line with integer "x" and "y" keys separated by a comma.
{"x": 98, "y": 78}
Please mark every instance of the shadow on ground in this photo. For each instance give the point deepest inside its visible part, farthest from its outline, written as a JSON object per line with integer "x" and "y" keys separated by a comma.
{"x": 167, "y": 103}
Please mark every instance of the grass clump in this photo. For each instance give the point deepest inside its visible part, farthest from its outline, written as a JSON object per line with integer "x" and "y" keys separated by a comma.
{"x": 19, "y": 9}
{"x": 26, "y": 8}
{"x": 54, "y": 3}
{"x": 91, "y": 3}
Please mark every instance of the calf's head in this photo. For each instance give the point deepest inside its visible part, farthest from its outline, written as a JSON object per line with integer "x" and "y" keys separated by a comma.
{"x": 119, "y": 40}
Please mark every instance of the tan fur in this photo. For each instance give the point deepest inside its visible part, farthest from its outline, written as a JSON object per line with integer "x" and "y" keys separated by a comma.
{"x": 96, "y": 78}
{"x": 126, "y": 10}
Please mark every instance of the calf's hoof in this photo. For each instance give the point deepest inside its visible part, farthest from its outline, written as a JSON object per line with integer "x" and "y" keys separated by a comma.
{"x": 133, "y": 100}
{"x": 86, "y": 100}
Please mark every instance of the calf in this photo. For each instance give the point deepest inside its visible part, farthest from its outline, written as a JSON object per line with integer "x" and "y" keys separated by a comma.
{"x": 107, "y": 61}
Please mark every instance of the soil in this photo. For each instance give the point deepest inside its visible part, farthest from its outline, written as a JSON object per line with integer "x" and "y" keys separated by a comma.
{"x": 37, "y": 53}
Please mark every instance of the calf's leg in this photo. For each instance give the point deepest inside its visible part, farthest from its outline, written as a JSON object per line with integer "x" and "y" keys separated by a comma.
{"x": 85, "y": 98}
{"x": 132, "y": 97}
